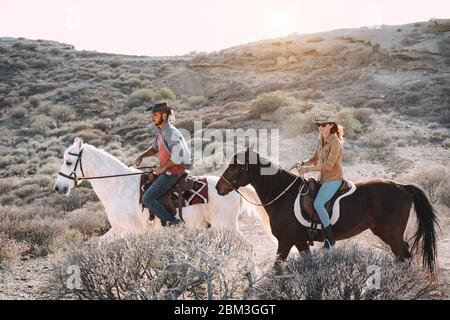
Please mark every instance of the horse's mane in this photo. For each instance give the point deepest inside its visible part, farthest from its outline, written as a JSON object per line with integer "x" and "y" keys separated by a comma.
{"x": 110, "y": 157}
{"x": 277, "y": 181}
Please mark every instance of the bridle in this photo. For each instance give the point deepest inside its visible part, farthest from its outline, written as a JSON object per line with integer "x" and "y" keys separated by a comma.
{"x": 73, "y": 175}
{"x": 245, "y": 168}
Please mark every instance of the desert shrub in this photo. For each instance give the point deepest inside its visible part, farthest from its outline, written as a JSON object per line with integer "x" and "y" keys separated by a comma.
{"x": 18, "y": 113}
{"x": 196, "y": 101}
{"x": 342, "y": 274}
{"x": 412, "y": 98}
{"x": 434, "y": 181}
{"x": 10, "y": 251}
{"x": 351, "y": 125}
{"x": 173, "y": 263}
{"x": 363, "y": 115}
{"x": 26, "y": 46}
{"x": 35, "y": 101}
{"x": 9, "y": 160}
{"x": 88, "y": 221}
{"x": 42, "y": 123}
{"x": 60, "y": 243}
{"x": 375, "y": 103}
{"x": 34, "y": 226}
{"x": 42, "y": 181}
{"x": 444, "y": 117}
{"x": 219, "y": 124}
{"x": 5, "y": 50}
{"x": 61, "y": 112}
{"x": 77, "y": 199}
{"x": 7, "y": 185}
{"x": 269, "y": 102}
{"x": 90, "y": 134}
{"x": 165, "y": 93}
{"x": 140, "y": 96}
{"x": 37, "y": 63}
{"x": 104, "y": 75}
{"x": 102, "y": 124}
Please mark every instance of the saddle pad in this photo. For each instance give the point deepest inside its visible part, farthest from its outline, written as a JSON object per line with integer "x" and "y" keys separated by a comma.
{"x": 198, "y": 194}
{"x": 335, "y": 211}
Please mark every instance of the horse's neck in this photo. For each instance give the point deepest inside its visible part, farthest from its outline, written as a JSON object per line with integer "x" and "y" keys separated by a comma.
{"x": 97, "y": 163}
{"x": 268, "y": 187}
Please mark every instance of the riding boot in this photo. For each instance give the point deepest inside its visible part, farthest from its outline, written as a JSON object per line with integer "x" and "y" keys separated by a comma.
{"x": 328, "y": 237}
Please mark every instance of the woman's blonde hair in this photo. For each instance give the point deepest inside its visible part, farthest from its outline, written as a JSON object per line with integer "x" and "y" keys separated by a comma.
{"x": 339, "y": 130}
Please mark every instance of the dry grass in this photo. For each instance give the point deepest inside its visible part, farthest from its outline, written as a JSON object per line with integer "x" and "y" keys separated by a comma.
{"x": 10, "y": 251}
{"x": 174, "y": 263}
{"x": 342, "y": 274}
{"x": 435, "y": 182}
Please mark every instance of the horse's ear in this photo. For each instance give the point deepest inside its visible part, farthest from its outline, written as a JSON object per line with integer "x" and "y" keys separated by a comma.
{"x": 78, "y": 142}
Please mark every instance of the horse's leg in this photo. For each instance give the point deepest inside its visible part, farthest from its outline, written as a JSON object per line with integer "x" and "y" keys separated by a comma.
{"x": 283, "y": 250}
{"x": 108, "y": 236}
{"x": 395, "y": 241}
{"x": 302, "y": 246}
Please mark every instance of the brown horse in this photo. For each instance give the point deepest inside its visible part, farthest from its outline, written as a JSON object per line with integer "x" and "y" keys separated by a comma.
{"x": 381, "y": 205}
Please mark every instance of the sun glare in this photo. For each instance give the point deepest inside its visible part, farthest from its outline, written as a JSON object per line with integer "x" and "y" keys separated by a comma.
{"x": 279, "y": 21}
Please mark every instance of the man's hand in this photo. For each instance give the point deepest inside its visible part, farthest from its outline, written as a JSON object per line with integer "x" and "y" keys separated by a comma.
{"x": 158, "y": 170}
{"x": 138, "y": 161}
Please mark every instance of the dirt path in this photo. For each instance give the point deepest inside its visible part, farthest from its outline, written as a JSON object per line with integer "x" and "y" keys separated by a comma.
{"x": 25, "y": 280}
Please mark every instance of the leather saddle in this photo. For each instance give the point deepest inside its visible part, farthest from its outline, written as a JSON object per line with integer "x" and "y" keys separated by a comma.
{"x": 307, "y": 201}
{"x": 173, "y": 198}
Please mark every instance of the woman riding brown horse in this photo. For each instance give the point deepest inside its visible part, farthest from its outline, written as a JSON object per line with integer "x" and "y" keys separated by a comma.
{"x": 381, "y": 205}
{"x": 327, "y": 159}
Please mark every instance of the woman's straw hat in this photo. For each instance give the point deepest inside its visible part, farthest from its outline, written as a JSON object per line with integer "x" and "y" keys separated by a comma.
{"x": 326, "y": 117}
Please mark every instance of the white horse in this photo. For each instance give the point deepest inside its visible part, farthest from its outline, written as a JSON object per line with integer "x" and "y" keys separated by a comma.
{"x": 120, "y": 195}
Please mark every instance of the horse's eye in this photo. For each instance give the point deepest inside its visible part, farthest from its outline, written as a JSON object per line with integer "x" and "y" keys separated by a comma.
{"x": 68, "y": 163}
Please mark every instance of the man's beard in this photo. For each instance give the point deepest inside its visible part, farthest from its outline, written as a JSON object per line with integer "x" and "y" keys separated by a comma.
{"x": 159, "y": 123}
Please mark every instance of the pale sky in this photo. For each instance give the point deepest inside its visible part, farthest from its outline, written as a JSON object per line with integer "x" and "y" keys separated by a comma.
{"x": 173, "y": 27}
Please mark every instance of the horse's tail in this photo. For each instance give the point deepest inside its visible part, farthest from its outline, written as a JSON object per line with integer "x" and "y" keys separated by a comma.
{"x": 425, "y": 236}
{"x": 255, "y": 211}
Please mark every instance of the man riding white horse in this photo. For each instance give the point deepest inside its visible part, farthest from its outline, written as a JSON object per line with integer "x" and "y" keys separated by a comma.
{"x": 174, "y": 158}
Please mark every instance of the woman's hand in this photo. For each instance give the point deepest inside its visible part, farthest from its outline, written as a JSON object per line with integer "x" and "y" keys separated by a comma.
{"x": 302, "y": 170}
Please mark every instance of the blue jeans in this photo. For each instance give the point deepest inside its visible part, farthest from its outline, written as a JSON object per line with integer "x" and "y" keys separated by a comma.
{"x": 161, "y": 185}
{"x": 326, "y": 192}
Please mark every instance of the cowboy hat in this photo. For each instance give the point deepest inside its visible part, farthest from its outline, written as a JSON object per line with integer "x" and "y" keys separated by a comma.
{"x": 326, "y": 117}
{"x": 159, "y": 106}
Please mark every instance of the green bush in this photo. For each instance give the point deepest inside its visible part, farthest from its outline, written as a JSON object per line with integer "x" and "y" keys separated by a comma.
{"x": 165, "y": 93}
{"x": 352, "y": 127}
{"x": 269, "y": 102}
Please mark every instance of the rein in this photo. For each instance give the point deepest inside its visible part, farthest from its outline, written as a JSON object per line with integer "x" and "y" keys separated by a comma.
{"x": 73, "y": 175}
{"x": 273, "y": 200}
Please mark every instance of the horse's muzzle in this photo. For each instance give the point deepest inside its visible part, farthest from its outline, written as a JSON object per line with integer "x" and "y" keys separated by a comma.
{"x": 60, "y": 190}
